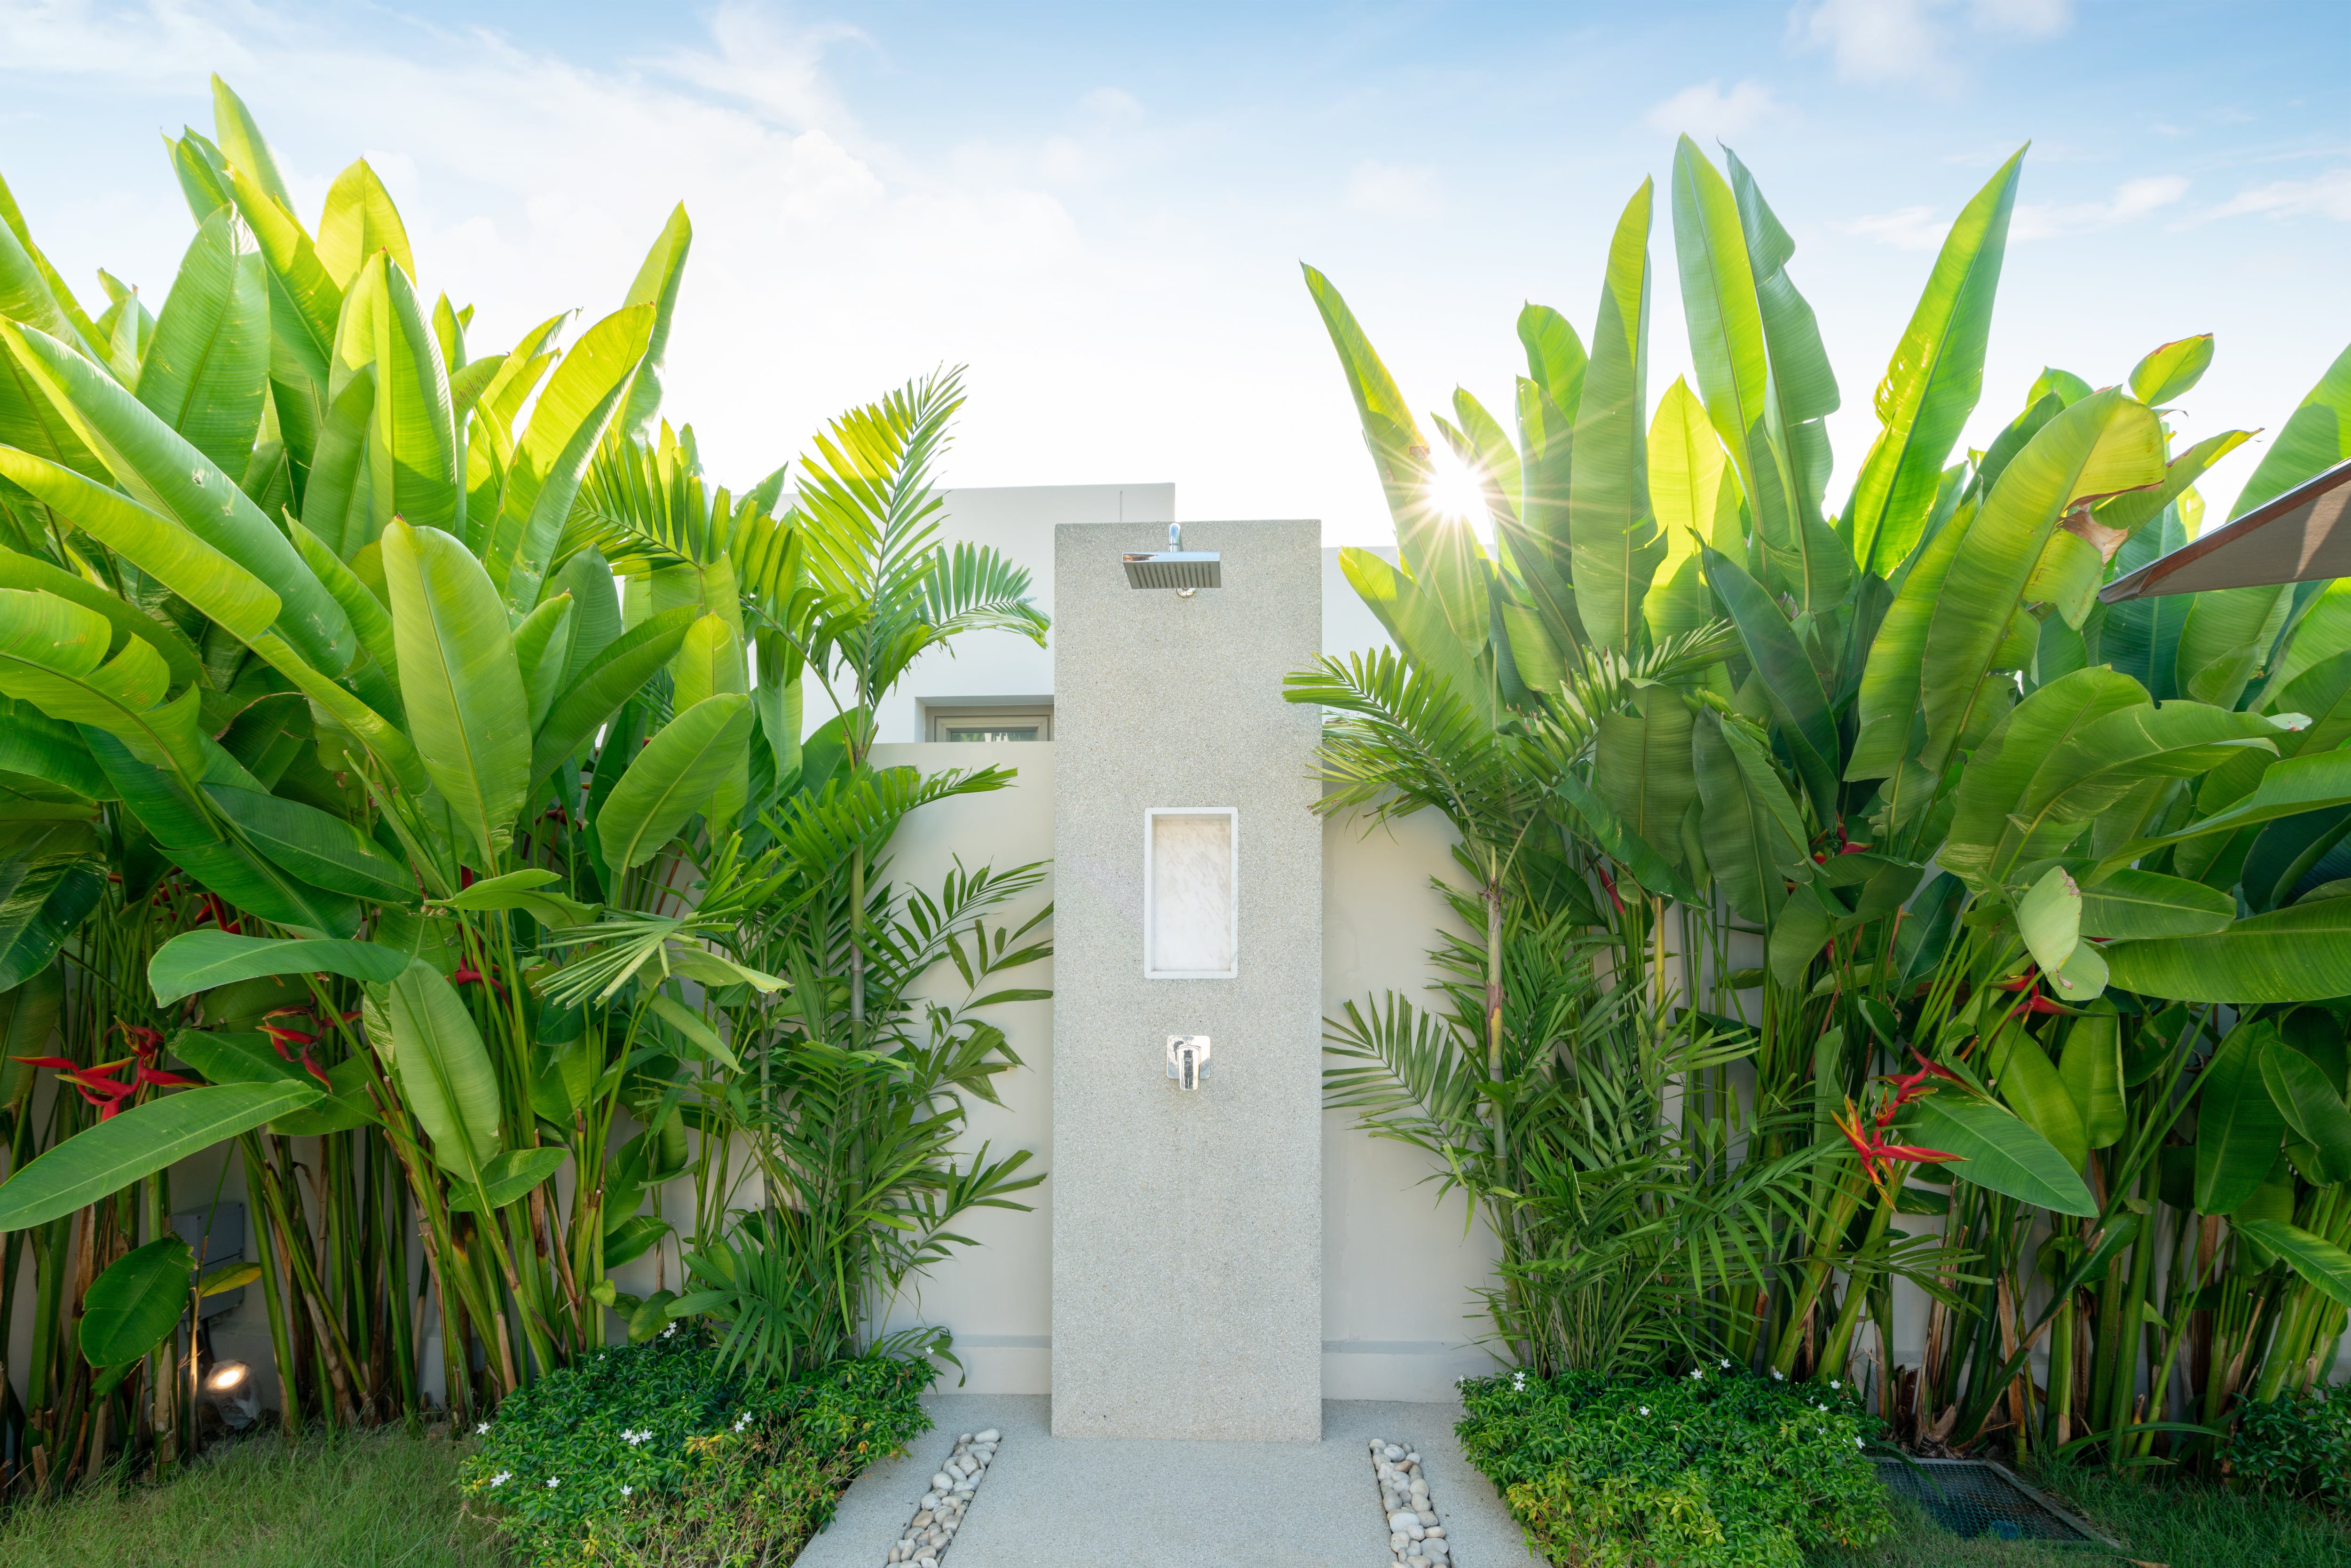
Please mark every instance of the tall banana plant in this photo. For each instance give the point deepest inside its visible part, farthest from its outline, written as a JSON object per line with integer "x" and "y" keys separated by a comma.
{"x": 325, "y": 648}
{"x": 1950, "y": 809}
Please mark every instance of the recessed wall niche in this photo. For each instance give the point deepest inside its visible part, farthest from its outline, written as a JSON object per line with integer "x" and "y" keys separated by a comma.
{"x": 1191, "y": 906}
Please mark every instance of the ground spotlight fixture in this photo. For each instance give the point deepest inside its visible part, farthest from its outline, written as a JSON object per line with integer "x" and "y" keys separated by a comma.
{"x": 230, "y": 1389}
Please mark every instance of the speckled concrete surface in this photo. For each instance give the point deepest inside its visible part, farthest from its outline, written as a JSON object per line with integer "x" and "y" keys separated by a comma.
{"x": 1072, "y": 1502}
{"x": 1187, "y": 1228}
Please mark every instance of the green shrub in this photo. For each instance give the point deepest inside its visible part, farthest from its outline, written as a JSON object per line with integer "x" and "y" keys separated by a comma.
{"x": 1711, "y": 1469}
{"x": 2297, "y": 1446}
{"x": 650, "y": 1454}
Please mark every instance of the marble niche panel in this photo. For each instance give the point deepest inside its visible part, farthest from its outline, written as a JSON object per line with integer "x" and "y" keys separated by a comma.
{"x": 1192, "y": 916}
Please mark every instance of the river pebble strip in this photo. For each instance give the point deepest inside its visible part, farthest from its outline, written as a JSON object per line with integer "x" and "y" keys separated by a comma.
{"x": 926, "y": 1539}
{"x": 1417, "y": 1535}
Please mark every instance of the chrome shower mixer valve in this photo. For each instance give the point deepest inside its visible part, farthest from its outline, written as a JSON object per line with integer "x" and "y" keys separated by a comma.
{"x": 1187, "y": 1059}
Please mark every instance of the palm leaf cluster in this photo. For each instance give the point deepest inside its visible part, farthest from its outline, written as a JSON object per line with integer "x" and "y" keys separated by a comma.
{"x": 1908, "y": 876}
{"x": 401, "y": 747}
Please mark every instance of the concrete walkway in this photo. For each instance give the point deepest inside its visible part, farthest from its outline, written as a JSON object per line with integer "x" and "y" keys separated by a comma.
{"x": 1067, "y": 1503}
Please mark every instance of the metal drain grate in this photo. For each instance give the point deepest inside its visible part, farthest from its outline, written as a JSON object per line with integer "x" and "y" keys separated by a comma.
{"x": 1974, "y": 1497}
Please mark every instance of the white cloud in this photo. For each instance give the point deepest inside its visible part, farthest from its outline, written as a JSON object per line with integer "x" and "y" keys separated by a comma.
{"x": 1874, "y": 40}
{"x": 1922, "y": 228}
{"x": 2326, "y": 195}
{"x": 776, "y": 70}
{"x": 1391, "y": 189}
{"x": 829, "y": 264}
{"x": 1905, "y": 228}
{"x": 2132, "y": 199}
{"x": 1111, "y": 103}
{"x": 2025, "y": 19}
{"x": 1891, "y": 41}
{"x": 160, "y": 42}
{"x": 1708, "y": 114}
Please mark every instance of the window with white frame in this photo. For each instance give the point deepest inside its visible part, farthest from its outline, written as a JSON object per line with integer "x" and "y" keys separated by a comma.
{"x": 1007, "y": 722}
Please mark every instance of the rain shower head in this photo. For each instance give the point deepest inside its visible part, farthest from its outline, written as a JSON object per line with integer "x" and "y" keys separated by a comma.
{"x": 1175, "y": 567}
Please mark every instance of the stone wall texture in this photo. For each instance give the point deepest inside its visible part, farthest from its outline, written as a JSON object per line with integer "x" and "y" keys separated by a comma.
{"x": 1187, "y": 1228}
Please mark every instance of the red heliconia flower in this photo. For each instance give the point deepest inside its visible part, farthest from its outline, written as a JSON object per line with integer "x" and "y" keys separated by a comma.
{"x": 1910, "y": 1086}
{"x": 1914, "y": 1154}
{"x": 1610, "y": 883}
{"x": 465, "y": 974}
{"x": 316, "y": 1071}
{"x": 155, "y": 1077}
{"x": 147, "y": 1042}
{"x": 2023, "y": 982}
{"x": 1873, "y": 1149}
{"x": 54, "y": 1064}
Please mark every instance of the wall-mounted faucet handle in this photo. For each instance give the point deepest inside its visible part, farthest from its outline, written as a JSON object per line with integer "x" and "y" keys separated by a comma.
{"x": 1187, "y": 1059}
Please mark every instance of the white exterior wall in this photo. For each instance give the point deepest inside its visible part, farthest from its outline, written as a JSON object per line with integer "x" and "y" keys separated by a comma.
{"x": 1018, "y": 521}
{"x": 1399, "y": 1266}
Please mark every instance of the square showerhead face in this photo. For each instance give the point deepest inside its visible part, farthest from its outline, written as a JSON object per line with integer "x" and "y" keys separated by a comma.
{"x": 1174, "y": 569}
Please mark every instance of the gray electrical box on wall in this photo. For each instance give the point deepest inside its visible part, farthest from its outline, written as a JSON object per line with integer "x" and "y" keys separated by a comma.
{"x": 216, "y": 1236}
{"x": 1189, "y": 908}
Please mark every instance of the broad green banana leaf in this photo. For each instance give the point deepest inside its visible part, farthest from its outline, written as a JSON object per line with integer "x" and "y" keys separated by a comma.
{"x": 1753, "y": 838}
{"x": 1998, "y": 1151}
{"x": 102, "y": 1160}
{"x": 2310, "y": 1105}
{"x": 2237, "y": 1125}
{"x": 1933, "y": 381}
{"x": 673, "y": 778}
{"x": 446, "y": 1076}
{"x": 464, "y": 692}
{"x": 552, "y": 454}
{"x": 52, "y": 875}
{"x": 200, "y": 960}
{"x": 2091, "y": 1067}
{"x": 206, "y": 374}
{"x": 137, "y": 1301}
{"x": 2133, "y": 904}
{"x": 360, "y": 222}
{"x": 163, "y": 473}
{"x": 1440, "y": 554}
{"x": 1798, "y": 701}
{"x": 2313, "y": 1258}
{"x": 2296, "y": 955}
{"x": 1611, "y": 532}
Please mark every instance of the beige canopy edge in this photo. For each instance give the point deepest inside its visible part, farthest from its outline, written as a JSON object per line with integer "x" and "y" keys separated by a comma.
{"x": 2299, "y": 537}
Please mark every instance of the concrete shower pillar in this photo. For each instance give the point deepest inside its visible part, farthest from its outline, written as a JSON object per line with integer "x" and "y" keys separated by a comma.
{"x": 1187, "y": 1226}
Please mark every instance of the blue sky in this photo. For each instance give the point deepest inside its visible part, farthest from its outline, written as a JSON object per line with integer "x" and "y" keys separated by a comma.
{"x": 1101, "y": 209}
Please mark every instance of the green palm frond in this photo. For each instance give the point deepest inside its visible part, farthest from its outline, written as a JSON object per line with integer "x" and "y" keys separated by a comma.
{"x": 867, "y": 500}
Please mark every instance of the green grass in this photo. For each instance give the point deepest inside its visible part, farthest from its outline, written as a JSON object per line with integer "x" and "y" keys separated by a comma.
{"x": 381, "y": 1499}
{"x": 2181, "y": 1524}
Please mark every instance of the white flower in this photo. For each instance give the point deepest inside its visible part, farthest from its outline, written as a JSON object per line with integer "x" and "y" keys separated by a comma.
{"x": 501, "y": 1478}
{"x": 1856, "y": 1442}
{"x": 482, "y": 1428}
{"x": 1644, "y": 1410}
{"x": 626, "y": 1491}
{"x": 1726, "y": 1363}
{"x": 1834, "y": 1384}
{"x": 1698, "y": 1374}
{"x": 552, "y": 1482}
{"x": 1777, "y": 1377}
{"x": 669, "y": 1331}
